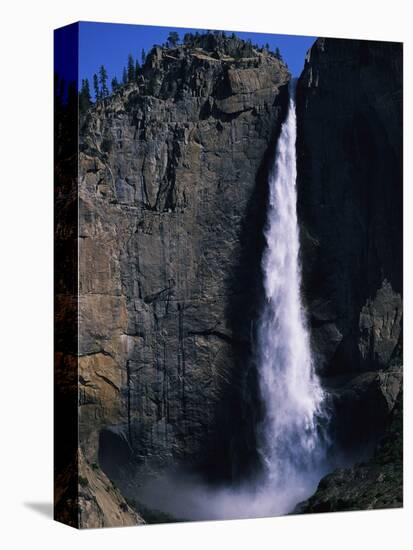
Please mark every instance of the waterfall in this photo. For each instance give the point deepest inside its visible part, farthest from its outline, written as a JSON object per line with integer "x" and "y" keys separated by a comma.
{"x": 291, "y": 442}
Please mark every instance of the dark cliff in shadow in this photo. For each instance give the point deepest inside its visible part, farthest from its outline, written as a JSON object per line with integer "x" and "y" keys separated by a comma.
{"x": 350, "y": 193}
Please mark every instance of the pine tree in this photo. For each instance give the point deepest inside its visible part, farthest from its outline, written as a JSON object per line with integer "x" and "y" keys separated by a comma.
{"x": 115, "y": 84}
{"x": 131, "y": 68}
{"x": 278, "y": 54}
{"x": 85, "y": 100}
{"x": 96, "y": 87}
{"x": 124, "y": 76}
{"x": 137, "y": 70}
{"x": 143, "y": 57}
{"x": 103, "y": 77}
{"x": 173, "y": 39}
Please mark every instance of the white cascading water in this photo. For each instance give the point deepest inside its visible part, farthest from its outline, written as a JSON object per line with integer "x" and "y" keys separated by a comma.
{"x": 292, "y": 446}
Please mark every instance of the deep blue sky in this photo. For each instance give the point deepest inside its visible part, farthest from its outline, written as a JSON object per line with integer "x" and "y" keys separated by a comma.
{"x": 66, "y": 52}
{"x": 109, "y": 44}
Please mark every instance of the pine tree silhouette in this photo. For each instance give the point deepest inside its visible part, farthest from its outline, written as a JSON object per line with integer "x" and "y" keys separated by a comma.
{"x": 103, "y": 77}
{"x": 115, "y": 84}
{"x": 131, "y": 68}
{"x": 96, "y": 87}
{"x": 173, "y": 39}
{"x": 85, "y": 100}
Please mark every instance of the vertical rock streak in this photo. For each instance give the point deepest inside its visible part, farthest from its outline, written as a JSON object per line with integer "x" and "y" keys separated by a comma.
{"x": 290, "y": 440}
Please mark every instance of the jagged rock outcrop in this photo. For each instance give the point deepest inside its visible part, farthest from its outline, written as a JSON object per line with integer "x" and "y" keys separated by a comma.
{"x": 360, "y": 407}
{"x": 172, "y": 201}
{"x": 101, "y": 504}
{"x": 86, "y": 498}
{"x": 374, "y": 484}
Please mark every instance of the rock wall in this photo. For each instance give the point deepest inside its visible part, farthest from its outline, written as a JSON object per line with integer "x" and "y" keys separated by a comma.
{"x": 83, "y": 495}
{"x": 374, "y": 484}
{"x": 350, "y": 192}
{"x": 172, "y": 202}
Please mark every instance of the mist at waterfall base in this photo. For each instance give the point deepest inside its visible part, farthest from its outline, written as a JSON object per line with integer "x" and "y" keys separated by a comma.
{"x": 292, "y": 437}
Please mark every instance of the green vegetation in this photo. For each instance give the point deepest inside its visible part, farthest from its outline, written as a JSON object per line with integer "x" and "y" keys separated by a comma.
{"x": 115, "y": 84}
{"x": 137, "y": 70}
{"x": 131, "y": 68}
{"x": 173, "y": 39}
{"x": 103, "y": 78}
{"x": 85, "y": 100}
{"x": 96, "y": 87}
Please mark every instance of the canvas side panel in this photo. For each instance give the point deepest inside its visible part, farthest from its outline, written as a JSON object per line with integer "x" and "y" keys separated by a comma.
{"x": 66, "y": 476}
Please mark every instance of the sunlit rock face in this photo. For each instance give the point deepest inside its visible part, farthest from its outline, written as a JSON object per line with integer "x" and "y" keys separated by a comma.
{"x": 173, "y": 176}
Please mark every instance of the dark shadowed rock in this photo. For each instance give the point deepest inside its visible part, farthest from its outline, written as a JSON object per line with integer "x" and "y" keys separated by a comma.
{"x": 377, "y": 483}
{"x": 360, "y": 407}
{"x": 349, "y": 149}
{"x": 350, "y": 191}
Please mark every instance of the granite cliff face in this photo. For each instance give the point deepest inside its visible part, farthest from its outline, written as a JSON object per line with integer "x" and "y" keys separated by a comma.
{"x": 172, "y": 201}
{"x": 350, "y": 190}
